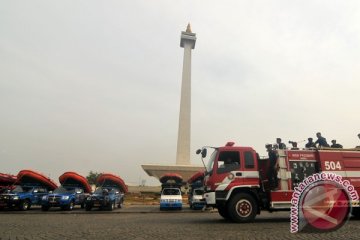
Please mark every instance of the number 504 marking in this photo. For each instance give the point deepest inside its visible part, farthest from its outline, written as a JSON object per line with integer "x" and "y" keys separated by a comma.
{"x": 331, "y": 165}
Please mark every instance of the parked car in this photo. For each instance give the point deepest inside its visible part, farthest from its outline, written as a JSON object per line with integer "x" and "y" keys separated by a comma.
{"x": 196, "y": 191}
{"x": 29, "y": 188}
{"x": 65, "y": 197}
{"x": 22, "y": 197}
{"x": 109, "y": 193}
{"x": 105, "y": 198}
{"x": 196, "y": 199}
{"x": 171, "y": 199}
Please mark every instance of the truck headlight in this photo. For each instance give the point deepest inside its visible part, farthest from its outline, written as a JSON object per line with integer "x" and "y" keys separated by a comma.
{"x": 65, "y": 197}
{"x": 88, "y": 198}
{"x": 44, "y": 198}
{"x": 15, "y": 197}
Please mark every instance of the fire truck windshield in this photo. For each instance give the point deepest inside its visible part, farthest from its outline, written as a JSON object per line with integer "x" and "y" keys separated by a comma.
{"x": 210, "y": 164}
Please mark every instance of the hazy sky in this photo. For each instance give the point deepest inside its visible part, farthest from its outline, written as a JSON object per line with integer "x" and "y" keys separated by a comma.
{"x": 95, "y": 85}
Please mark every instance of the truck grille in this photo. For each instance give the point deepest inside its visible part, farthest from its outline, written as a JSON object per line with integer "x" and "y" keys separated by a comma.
{"x": 54, "y": 199}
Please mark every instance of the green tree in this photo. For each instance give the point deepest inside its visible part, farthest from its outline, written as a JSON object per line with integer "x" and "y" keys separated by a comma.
{"x": 92, "y": 176}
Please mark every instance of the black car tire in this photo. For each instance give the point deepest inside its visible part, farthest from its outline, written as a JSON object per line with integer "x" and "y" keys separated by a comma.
{"x": 111, "y": 206}
{"x": 71, "y": 205}
{"x": 88, "y": 207}
{"x": 120, "y": 205}
{"x": 25, "y": 205}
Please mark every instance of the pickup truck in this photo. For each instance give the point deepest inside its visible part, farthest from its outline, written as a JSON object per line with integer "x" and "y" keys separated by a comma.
{"x": 73, "y": 191}
{"x": 22, "y": 197}
{"x": 105, "y": 198}
{"x": 65, "y": 197}
{"x": 109, "y": 194}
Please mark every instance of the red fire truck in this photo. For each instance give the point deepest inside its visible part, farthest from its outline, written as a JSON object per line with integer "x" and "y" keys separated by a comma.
{"x": 236, "y": 179}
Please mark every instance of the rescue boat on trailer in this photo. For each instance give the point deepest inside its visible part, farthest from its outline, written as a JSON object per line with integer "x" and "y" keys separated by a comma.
{"x": 108, "y": 179}
{"x": 197, "y": 177}
{"x": 6, "y": 180}
{"x": 75, "y": 179}
{"x": 30, "y": 177}
{"x": 171, "y": 177}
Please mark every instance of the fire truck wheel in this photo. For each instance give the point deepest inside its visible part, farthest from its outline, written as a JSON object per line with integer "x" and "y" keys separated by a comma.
{"x": 242, "y": 208}
{"x": 223, "y": 211}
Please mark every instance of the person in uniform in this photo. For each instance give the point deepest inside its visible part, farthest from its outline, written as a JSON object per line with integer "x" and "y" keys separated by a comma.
{"x": 310, "y": 143}
{"x": 321, "y": 141}
{"x": 280, "y": 144}
{"x": 335, "y": 145}
{"x": 272, "y": 170}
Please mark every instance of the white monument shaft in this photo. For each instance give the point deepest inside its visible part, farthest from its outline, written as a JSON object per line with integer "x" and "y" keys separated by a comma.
{"x": 188, "y": 40}
{"x": 182, "y": 166}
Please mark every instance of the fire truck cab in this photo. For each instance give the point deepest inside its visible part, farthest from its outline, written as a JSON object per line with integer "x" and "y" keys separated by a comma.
{"x": 236, "y": 179}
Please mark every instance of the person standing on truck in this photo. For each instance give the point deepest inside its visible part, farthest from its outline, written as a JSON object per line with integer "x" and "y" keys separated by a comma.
{"x": 272, "y": 171}
{"x": 310, "y": 143}
{"x": 321, "y": 140}
{"x": 335, "y": 145}
{"x": 280, "y": 144}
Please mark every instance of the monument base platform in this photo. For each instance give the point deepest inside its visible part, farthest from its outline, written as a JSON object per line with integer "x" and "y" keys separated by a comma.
{"x": 186, "y": 171}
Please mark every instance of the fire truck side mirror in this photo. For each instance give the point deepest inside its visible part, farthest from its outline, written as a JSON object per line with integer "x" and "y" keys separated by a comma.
{"x": 203, "y": 153}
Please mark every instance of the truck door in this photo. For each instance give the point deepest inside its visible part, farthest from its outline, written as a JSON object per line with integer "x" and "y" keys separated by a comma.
{"x": 250, "y": 171}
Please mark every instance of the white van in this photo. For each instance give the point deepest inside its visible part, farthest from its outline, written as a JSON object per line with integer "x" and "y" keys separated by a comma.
{"x": 171, "y": 199}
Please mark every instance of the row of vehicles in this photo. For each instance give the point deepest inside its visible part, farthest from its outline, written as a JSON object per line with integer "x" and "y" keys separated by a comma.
{"x": 30, "y": 188}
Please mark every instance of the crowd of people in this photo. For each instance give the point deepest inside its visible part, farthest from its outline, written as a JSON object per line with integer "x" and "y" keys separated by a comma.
{"x": 273, "y": 157}
{"x": 319, "y": 143}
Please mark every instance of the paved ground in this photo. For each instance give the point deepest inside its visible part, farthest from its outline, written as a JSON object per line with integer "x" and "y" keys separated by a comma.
{"x": 147, "y": 222}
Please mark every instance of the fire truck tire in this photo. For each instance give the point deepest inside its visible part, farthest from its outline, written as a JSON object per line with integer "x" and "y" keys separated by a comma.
{"x": 223, "y": 211}
{"x": 242, "y": 208}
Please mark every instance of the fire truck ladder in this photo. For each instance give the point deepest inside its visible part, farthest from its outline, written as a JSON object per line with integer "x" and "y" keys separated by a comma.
{"x": 283, "y": 174}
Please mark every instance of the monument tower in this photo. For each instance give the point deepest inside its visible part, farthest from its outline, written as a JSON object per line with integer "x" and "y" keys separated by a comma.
{"x": 183, "y": 165}
{"x": 187, "y": 42}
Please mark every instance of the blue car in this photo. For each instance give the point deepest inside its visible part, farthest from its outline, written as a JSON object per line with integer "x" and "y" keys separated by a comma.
{"x": 65, "y": 197}
{"x": 22, "y": 197}
{"x": 105, "y": 198}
